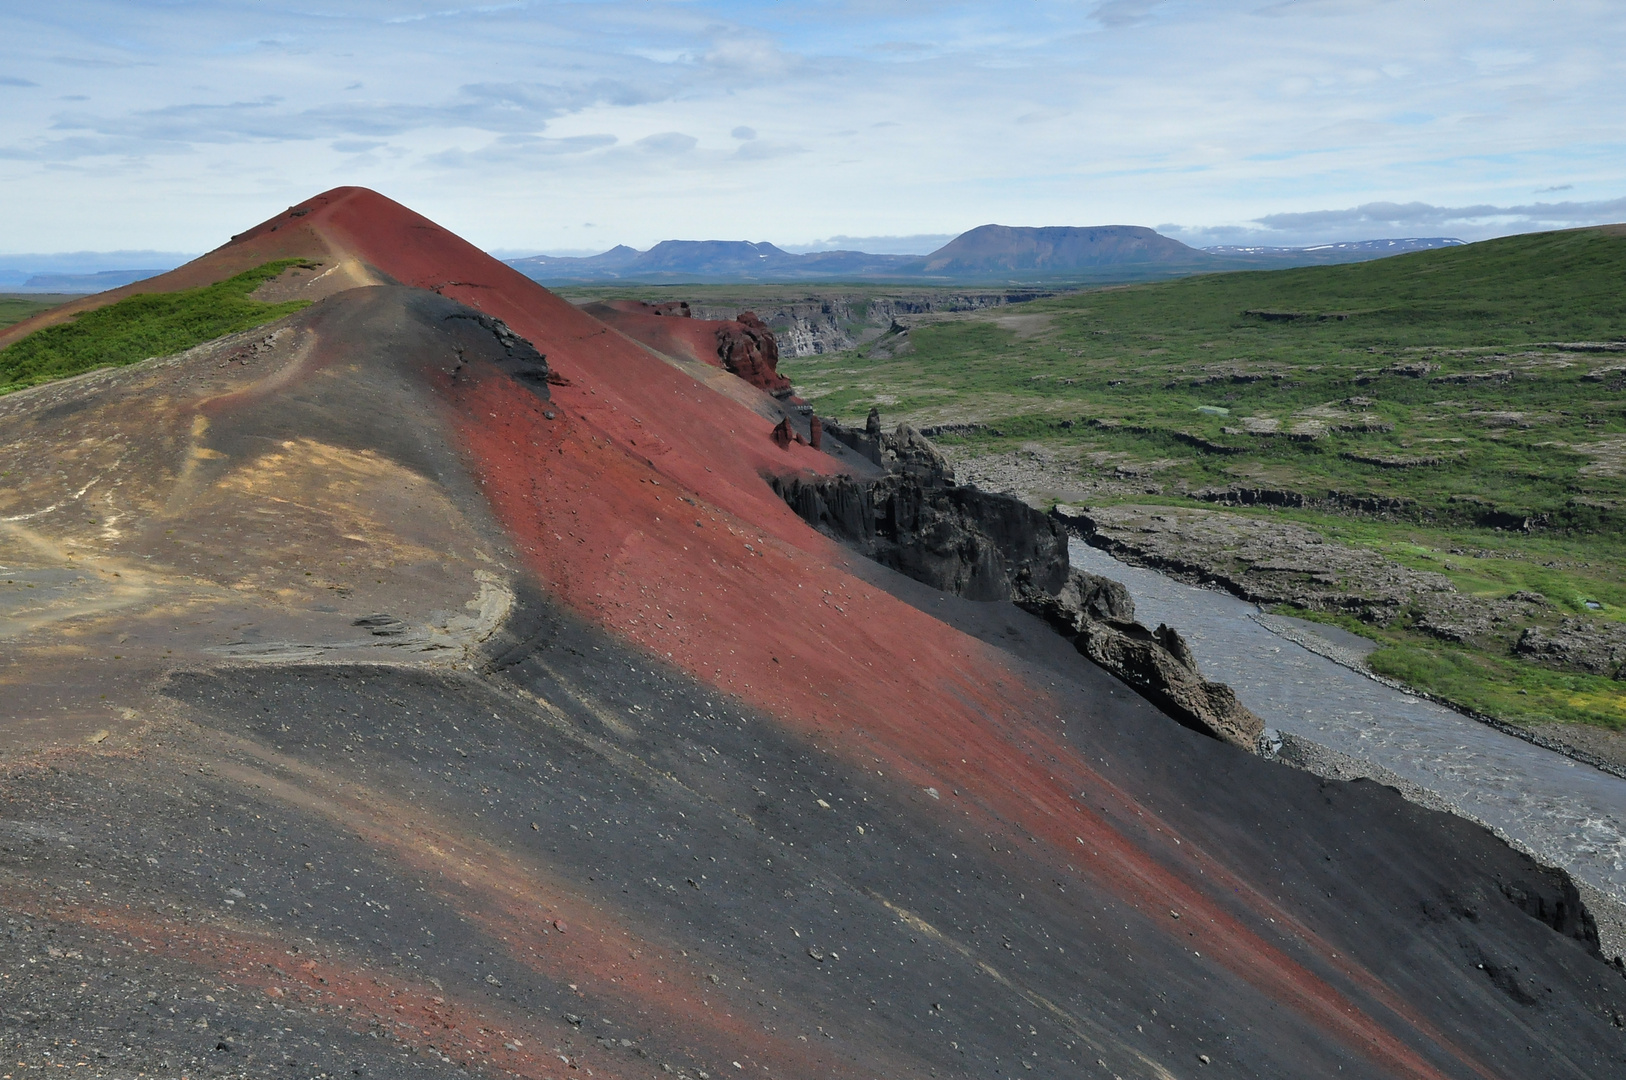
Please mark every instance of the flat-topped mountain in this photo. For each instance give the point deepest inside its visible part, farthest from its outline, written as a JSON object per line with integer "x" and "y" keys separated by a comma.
{"x": 1060, "y": 251}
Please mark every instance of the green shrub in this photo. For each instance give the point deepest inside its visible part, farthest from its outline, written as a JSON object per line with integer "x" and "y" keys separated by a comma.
{"x": 142, "y": 326}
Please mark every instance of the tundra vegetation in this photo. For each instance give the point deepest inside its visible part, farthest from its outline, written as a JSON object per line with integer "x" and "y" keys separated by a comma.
{"x": 142, "y": 326}
{"x": 1460, "y": 411}
{"x": 15, "y": 307}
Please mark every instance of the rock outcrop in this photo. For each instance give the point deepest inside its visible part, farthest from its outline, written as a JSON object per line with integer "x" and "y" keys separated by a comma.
{"x": 747, "y": 348}
{"x": 742, "y": 346}
{"x": 1576, "y": 644}
{"x": 1083, "y": 598}
{"x": 916, "y": 520}
{"x": 986, "y": 546}
{"x": 957, "y": 539}
{"x": 784, "y": 434}
{"x": 905, "y": 450}
{"x": 1097, "y": 615}
{"x": 519, "y": 357}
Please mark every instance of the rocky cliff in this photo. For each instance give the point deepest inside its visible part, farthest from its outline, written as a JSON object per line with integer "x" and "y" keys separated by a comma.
{"x": 986, "y": 546}
{"x": 836, "y": 322}
{"x": 1097, "y": 615}
{"x": 916, "y": 520}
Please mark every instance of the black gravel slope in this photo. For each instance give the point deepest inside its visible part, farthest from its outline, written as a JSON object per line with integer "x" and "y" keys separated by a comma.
{"x": 705, "y": 835}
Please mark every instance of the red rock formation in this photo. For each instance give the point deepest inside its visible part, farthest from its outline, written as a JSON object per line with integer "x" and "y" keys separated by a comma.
{"x": 815, "y": 430}
{"x": 743, "y": 346}
{"x": 747, "y": 348}
{"x": 784, "y": 434}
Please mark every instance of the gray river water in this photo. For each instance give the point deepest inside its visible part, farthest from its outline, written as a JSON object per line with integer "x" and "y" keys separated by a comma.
{"x": 1562, "y": 812}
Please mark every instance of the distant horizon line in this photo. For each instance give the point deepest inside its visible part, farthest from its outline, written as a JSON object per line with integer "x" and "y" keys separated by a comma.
{"x": 513, "y": 254}
{"x": 17, "y": 270}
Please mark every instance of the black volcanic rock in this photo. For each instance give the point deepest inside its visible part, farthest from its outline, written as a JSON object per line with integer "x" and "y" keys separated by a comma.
{"x": 1097, "y": 615}
{"x": 959, "y": 540}
{"x": 1577, "y": 644}
{"x": 986, "y": 546}
{"x": 916, "y": 520}
{"x": 1083, "y": 598}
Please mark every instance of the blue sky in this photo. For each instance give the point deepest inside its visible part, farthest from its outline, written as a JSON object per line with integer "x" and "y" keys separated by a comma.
{"x": 539, "y": 126}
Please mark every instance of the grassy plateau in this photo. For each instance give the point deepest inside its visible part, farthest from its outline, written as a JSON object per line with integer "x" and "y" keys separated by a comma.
{"x": 139, "y": 327}
{"x": 15, "y": 307}
{"x": 1473, "y": 397}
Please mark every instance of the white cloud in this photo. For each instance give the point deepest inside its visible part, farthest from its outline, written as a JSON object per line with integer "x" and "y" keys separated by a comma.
{"x": 878, "y": 118}
{"x": 1383, "y": 221}
{"x": 920, "y": 244}
{"x": 667, "y": 142}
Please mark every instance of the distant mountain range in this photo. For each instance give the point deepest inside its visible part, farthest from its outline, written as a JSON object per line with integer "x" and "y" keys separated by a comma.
{"x": 714, "y": 261}
{"x": 82, "y": 283}
{"x": 83, "y": 271}
{"x": 988, "y": 254}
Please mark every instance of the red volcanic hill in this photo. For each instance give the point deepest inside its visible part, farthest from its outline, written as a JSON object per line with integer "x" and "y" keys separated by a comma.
{"x": 434, "y": 681}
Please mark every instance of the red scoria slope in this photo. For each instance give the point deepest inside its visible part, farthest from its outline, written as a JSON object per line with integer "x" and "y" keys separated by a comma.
{"x": 633, "y": 503}
{"x": 743, "y": 346}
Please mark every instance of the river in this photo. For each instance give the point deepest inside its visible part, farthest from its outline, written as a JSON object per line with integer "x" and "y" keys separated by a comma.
{"x": 1563, "y": 812}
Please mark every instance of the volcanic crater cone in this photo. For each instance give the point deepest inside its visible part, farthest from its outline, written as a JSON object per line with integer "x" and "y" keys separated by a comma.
{"x": 432, "y": 680}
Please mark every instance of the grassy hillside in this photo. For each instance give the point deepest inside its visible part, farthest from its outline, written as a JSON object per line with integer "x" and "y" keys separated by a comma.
{"x": 1477, "y": 394}
{"x": 141, "y": 326}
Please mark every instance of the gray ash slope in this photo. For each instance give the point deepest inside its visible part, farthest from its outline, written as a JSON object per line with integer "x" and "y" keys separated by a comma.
{"x": 907, "y": 948}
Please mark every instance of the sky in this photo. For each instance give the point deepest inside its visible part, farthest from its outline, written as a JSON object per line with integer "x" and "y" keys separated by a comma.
{"x": 540, "y": 126}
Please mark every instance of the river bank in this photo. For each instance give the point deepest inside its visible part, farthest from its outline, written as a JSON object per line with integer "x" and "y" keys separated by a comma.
{"x": 1342, "y": 724}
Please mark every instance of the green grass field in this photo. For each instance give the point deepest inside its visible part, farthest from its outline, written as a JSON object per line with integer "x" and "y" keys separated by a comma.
{"x": 1473, "y": 388}
{"x": 141, "y": 326}
{"x": 15, "y": 307}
